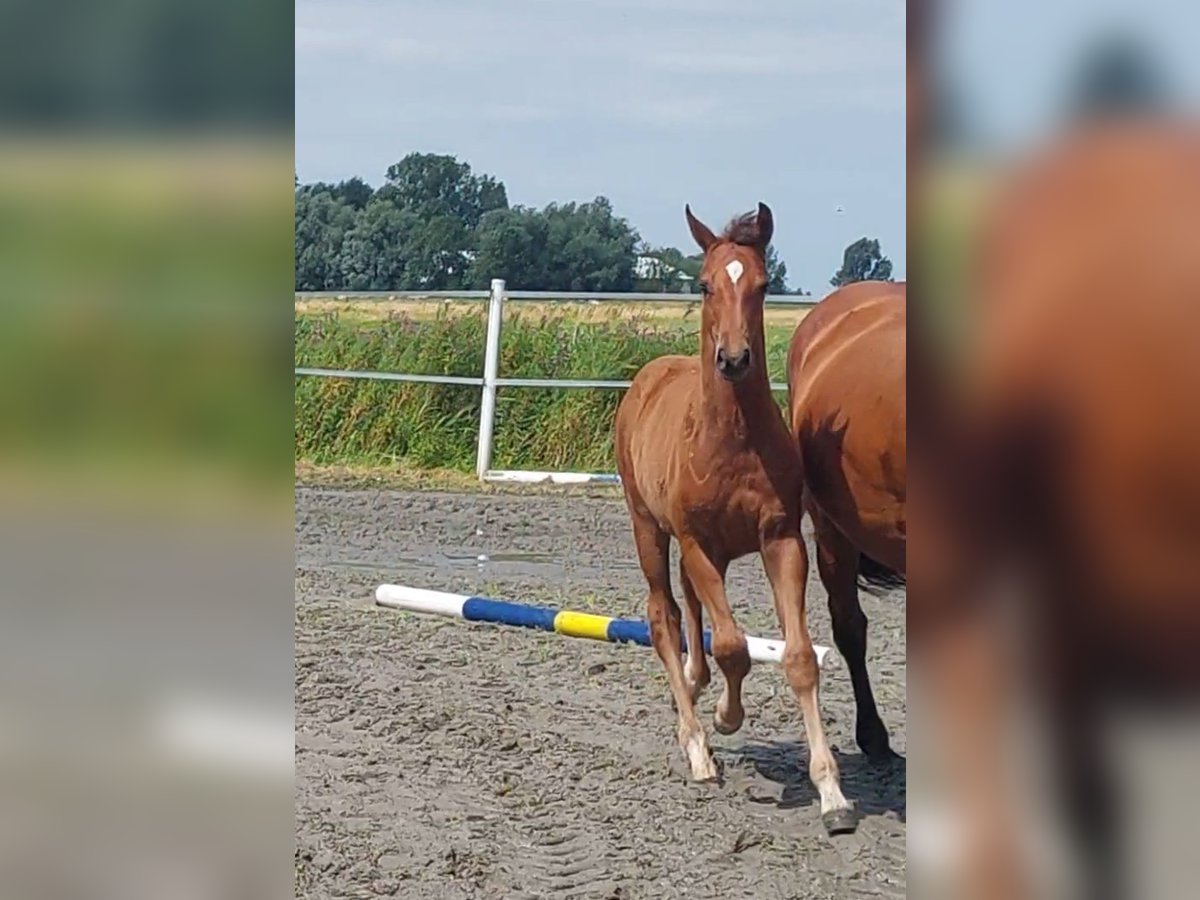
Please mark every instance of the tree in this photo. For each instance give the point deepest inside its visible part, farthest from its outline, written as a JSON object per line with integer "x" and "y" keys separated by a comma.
{"x": 863, "y": 261}
{"x": 776, "y": 272}
{"x": 567, "y": 247}
{"x": 675, "y": 258}
{"x": 321, "y": 225}
{"x": 354, "y": 192}
{"x": 589, "y": 248}
{"x": 436, "y": 256}
{"x": 510, "y": 244}
{"x": 431, "y": 185}
{"x": 375, "y": 252}
{"x": 663, "y": 269}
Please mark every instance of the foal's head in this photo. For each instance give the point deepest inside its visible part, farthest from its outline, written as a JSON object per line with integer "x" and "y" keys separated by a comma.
{"x": 733, "y": 282}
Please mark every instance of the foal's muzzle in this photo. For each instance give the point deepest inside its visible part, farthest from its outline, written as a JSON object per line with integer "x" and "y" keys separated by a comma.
{"x": 733, "y": 367}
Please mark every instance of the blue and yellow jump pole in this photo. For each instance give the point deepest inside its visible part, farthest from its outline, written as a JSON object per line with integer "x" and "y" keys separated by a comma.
{"x": 568, "y": 623}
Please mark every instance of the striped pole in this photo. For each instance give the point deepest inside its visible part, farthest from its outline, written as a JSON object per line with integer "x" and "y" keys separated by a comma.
{"x": 568, "y": 623}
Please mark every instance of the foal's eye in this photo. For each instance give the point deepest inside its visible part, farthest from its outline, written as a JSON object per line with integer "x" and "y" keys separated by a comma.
{"x": 704, "y": 288}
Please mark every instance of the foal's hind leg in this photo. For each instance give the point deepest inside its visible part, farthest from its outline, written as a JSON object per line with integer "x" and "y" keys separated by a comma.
{"x": 728, "y": 642}
{"x": 653, "y": 547}
{"x": 786, "y": 563}
{"x": 837, "y": 562}
{"x": 696, "y": 670}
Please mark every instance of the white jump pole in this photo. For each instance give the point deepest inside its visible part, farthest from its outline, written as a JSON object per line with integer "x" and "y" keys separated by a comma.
{"x": 566, "y": 622}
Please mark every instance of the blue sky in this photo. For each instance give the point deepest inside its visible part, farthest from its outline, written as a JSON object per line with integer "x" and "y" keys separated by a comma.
{"x": 652, "y": 103}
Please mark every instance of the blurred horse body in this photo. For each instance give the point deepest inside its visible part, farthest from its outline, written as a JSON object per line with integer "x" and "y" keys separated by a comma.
{"x": 1067, "y": 458}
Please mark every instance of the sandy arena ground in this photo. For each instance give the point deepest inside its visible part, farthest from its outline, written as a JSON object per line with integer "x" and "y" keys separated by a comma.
{"x": 442, "y": 759}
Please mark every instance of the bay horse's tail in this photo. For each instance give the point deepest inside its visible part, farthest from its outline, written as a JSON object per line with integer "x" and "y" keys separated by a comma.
{"x": 874, "y": 577}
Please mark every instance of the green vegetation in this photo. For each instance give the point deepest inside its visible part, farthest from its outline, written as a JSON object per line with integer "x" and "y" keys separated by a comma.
{"x": 364, "y": 423}
{"x": 140, "y": 353}
{"x": 862, "y": 261}
{"x": 435, "y": 225}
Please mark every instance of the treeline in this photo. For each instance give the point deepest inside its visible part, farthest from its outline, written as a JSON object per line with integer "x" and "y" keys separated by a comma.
{"x": 435, "y": 225}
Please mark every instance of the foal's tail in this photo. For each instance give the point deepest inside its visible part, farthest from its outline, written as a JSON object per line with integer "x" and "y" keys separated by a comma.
{"x": 874, "y": 577}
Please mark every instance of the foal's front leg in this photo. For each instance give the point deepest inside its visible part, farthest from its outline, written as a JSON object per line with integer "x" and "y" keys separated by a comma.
{"x": 696, "y": 669}
{"x": 729, "y": 647}
{"x": 786, "y": 564}
{"x": 653, "y": 547}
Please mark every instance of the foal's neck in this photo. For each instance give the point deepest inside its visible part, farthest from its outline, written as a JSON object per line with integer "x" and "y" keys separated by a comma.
{"x": 729, "y": 407}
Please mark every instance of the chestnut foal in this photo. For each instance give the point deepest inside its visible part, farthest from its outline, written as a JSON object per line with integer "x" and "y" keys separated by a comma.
{"x": 705, "y": 457}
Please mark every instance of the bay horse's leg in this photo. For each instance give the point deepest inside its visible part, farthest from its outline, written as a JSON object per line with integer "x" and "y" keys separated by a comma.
{"x": 786, "y": 564}
{"x": 1090, "y": 798}
{"x": 696, "y": 670}
{"x": 729, "y": 647}
{"x": 653, "y": 547}
{"x": 1081, "y": 757}
{"x": 837, "y": 563}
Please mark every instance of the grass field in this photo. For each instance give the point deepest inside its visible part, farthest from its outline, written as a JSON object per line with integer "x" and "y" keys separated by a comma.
{"x": 348, "y": 423}
{"x": 681, "y": 315}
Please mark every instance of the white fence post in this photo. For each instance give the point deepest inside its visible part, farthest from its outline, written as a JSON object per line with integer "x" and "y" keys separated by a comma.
{"x": 491, "y": 365}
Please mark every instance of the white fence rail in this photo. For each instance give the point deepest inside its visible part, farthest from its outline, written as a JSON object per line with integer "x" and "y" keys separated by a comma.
{"x": 490, "y": 381}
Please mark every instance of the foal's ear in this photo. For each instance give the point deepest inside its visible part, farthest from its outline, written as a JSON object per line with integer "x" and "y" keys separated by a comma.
{"x": 764, "y": 221}
{"x": 701, "y": 232}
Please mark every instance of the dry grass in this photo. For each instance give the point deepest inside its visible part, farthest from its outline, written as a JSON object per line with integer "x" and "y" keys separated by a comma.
{"x": 660, "y": 314}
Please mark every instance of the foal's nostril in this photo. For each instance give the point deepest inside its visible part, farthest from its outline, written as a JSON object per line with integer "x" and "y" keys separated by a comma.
{"x": 726, "y": 361}
{"x": 732, "y": 366}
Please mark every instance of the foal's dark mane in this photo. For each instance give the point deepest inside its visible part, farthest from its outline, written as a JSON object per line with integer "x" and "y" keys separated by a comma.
{"x": 742, "y": 230}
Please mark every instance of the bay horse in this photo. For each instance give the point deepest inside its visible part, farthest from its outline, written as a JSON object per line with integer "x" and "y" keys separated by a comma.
{"x": 846, "y": 397}
{"x": 705, "y": 458}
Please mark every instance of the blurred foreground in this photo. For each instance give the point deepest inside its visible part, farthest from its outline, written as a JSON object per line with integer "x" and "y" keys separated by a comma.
{"x": 145, "y": 451}
{"x": 145, "y": 496}
{"x": 1054, "y": 611}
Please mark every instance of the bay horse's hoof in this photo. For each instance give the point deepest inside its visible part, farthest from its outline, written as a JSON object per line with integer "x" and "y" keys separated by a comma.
{"x": 882, "y": 757}
{"x": 840, "y": 821}
{"x": 726, "y": 723}
{"x": 872, "y": 740}
{"x": 724, "y": 727}
{"x": 877, "y": 749}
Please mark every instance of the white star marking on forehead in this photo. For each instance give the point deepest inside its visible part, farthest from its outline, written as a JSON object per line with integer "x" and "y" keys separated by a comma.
{"x": 734, "y": 269}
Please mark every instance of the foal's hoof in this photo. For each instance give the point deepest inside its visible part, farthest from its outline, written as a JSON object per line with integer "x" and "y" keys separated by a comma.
{"x": 707, "y": 775}
{"x": 700, "y": 761}
{"x": 840, "y": 821}
{"x": 705, "y": 771}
